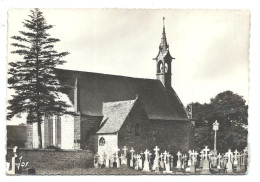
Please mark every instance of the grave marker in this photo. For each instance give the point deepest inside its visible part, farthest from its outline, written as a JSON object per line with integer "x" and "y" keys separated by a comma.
{"x": 205, "y": 168}
{"x": 156, "y": 160}
{"x": 146, "y": 162}
{"x": 179, "y": 161}
{"x": 132, "y": 157}
{"x": 229, "y": 164}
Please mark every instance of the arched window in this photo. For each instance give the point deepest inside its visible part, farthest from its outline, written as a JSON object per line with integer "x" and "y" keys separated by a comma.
{"x": 166, "y": 67}
{"x": 102, "y": 141}
{"x": 137, "y": 130}
{"x": 160, "y": 67}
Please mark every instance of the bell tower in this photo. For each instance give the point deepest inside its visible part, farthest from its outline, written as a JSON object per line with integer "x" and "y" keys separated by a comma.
{"x": 163, "y": 61}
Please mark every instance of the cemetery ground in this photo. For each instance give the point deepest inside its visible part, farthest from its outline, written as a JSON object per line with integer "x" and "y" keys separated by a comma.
{"x": 209, "y": 163}
{"x": 108, "y": 171}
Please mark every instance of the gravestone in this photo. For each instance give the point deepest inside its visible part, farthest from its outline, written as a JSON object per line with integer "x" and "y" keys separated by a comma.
{"x": 179, "y": 161}
{"x": 184, "y": 161}
{"x": 146, "y": 162}
{"x": 132, "y": 157}
{"x": 124, "y": 162}
{"x": 235, "y": 161}
{"x": 205, "y": 168}
{"x": 222, "y": 164}
{"x": 117, "y": 157}
{"x": 244, "y": 161}
{"x": 189, "y": 161}
{"x": 214, "y": 161}
{"x": 172, "y": 167}
{"x": 136, "y": 165}
{"x": 165, "y": 158}
{"x": 229, "y": 163}
{"x": 140, "y": 161}
{"x": 201, "y": 158}
{"x": 156, "y": 160}
{"x": 167, "y": 163}
{"x": 193, "y": 162}
{"x": 238, "y": 168}
{"x": 96, "y": 160}
{"x": 161, "y": 162}
{"x": 150, "y": 156}
{"x": 107, "y": 162}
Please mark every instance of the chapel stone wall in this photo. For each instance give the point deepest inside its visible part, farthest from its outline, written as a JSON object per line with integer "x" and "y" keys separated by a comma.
{"x": 88, "y": 128}
{"x": 172, "y": 136}
{"x": 136, "y": 131}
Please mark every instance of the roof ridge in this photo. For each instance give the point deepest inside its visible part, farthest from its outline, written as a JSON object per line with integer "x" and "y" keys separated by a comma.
{"x": 97, "y": 73}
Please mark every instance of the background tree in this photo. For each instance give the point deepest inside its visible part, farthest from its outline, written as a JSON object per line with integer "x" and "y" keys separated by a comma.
{"x": 32, "y": 78}
{"x": 230, "y": 110}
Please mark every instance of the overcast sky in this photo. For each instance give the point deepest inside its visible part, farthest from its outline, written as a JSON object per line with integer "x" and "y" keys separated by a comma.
{"x": 210, "y": 47}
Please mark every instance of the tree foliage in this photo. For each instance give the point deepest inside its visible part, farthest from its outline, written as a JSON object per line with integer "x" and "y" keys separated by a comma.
{"x": 230, "y": 110}
{"x": 32, "y": 77}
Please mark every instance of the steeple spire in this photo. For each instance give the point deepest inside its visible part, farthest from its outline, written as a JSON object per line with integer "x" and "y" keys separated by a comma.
{"x": 163, "y": 45}
{"x": 163, "y": 61}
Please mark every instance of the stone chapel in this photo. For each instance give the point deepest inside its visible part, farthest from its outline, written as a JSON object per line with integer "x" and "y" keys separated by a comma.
{"x": 114, "y": 111}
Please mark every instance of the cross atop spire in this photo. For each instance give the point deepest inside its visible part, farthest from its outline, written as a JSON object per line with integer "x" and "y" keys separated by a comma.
{"x": 163, "y": 22}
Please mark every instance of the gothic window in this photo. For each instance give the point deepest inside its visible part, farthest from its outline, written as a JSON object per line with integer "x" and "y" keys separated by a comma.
{"x": 137, "y": 130}
{"x": 166, "y": 67}
{"x": 102, "y": 141}
{"x": 159, "y": 67}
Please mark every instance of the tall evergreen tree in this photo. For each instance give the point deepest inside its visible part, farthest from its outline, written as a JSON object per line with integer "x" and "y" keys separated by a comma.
{"x": 32, "y": 77}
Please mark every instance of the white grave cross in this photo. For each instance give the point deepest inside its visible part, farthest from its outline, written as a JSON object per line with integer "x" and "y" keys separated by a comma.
{"x": 116, "y": 151}
{"x": 125, "y": 149}
{"x": 179, "y": 154}
{"x": 206, "y": 151}
{"x": 229, "y": 154}
{"x": 132, "y": 152}
{"x": 156, "y": 150}
{"x": 146, "y": 153}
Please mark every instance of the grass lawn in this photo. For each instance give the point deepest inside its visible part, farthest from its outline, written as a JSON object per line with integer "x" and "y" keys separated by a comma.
{"x": 108, "y": 171}
{"x": 94, "y": 171}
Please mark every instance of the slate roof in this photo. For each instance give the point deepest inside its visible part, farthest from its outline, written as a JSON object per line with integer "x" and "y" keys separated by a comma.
{"x": 95, "y": 88}
{"x": 115, "y": 114}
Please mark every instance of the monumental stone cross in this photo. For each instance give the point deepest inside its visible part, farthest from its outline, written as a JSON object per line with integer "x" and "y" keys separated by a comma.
{"x": 165, "y": 157}
{"x": 179, "y": 160}
{"x": 146, "y": 162}
{"x": 117, "y": 158}
{"x": 229, "y": 164}
{"x": 125, "y": 149}
{"x": 161, "y": 161}
{"x": 235, "y": 158}
{"x": 206, "y": 152}
{"x": 156, "y": 160}
{"x": 132, "y": 157}
{"x": 156, "y": 150}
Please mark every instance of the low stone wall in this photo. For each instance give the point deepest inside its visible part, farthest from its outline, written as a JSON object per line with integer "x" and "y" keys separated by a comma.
{"x": 52, "y": 159}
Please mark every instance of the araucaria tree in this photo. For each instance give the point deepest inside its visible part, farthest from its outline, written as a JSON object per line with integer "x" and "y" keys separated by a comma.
{"x": 32, "y": 77}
